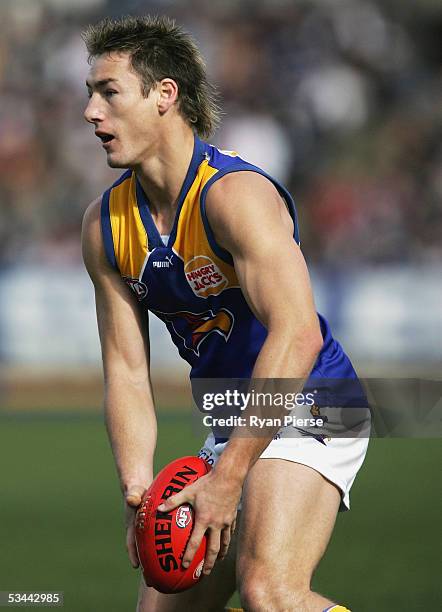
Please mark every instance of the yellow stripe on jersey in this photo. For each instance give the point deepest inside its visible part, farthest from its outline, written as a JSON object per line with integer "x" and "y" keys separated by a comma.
{"x": 207, "y": 274}
{"x": 129, "y": 235}
{"x": 201, "y": 264}
{"x": 190, "y": 218}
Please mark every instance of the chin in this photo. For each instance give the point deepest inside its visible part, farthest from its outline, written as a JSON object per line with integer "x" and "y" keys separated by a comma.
{"x": 116, "y": 163}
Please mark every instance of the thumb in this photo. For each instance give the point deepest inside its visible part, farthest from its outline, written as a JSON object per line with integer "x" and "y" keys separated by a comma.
{"x": 134, "y": 495}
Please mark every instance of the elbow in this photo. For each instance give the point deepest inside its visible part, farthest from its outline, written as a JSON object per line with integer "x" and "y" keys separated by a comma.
{"x": 307, "y": 342}
{"x": 300, "y": 341}
{"x": 316, "y": 341}
{"x": 311, "y": 344}
{"x": 122, "y": 375}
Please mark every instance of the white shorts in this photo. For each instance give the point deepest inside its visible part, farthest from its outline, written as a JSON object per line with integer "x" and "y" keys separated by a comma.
{"x": 338, "y": 459}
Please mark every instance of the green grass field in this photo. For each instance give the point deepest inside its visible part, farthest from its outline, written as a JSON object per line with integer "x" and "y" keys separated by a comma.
{"x": 61, "y": 518}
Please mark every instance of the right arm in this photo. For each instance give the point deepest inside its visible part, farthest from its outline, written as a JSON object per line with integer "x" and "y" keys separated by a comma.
{"x": 128, "y": 402}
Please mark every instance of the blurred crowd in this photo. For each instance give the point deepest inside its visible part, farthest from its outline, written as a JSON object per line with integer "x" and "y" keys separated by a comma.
{"x": 340, "y": 99}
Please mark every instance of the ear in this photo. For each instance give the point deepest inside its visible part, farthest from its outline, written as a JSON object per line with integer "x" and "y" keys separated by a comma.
{"x": 167, "y": 90}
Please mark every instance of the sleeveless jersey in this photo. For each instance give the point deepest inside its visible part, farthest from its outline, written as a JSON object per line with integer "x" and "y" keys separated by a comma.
{"x": 191, "y": 283}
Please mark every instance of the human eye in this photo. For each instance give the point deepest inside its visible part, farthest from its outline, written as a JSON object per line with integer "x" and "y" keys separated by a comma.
{"x": 109, "y": 93}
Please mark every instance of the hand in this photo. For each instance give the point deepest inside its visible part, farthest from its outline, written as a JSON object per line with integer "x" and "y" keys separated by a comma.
{"x": 133, "y": 499}
{"x": 215, "y": 501}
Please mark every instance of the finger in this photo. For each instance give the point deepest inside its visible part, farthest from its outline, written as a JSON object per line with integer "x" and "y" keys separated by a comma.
{"x": 146, "y": 581}
{"x": 224, "y": 542}
{"x": 129, "y": 510}
{"x": 131, "y": 548}
{"x": 174, "y": 501}
{"x": 129, "y": 515}
{"x": 233, "y": 527}
{"x": 194, "y": 543}
{"x": 213, "y": 544}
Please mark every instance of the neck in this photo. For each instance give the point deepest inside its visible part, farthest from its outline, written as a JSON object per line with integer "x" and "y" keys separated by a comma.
{"x": 163, "y": 173}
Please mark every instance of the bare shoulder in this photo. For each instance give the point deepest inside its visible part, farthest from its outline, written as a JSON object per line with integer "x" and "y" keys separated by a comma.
{"x": 92, "y": 242}
{"x": 93, "y": 209}
{"x": 91, "y": 220}
{"x": 244, "y": 185}
{"x": 241, "y": 201}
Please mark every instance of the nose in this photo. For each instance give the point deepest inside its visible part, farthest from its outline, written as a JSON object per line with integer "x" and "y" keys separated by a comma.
{"x": 93, "y": 112}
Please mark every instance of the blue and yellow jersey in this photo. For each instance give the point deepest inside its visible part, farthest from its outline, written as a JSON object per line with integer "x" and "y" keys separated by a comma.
{"x": 191, "y": 283}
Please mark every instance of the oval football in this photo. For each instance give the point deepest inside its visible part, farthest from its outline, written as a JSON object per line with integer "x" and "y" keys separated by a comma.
{"x": 162, "y": 537}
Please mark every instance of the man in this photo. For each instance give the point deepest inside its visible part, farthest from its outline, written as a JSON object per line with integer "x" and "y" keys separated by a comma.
{"x": 209, "y": 244}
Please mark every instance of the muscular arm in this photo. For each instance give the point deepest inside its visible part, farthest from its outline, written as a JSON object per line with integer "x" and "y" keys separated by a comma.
{"x": 250, "y": 220}
{"x": 129, "y": 407}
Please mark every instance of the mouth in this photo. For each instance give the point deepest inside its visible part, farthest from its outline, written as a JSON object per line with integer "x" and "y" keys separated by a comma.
{"x": 105, "y": 138}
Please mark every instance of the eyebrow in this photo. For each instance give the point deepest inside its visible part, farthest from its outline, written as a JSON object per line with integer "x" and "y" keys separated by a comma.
{"x": 101, "y": 83}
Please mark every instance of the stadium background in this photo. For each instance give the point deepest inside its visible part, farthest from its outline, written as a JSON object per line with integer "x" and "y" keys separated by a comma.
{"x": 342, "y": 100}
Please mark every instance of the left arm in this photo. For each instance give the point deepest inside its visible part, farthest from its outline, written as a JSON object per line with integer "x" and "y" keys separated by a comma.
{"x": 251, "y": 221}
{"x": 275, "y": 282}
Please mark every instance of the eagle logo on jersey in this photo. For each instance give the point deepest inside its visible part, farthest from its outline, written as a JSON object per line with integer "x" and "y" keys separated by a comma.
{"x": 204, "y": 276}
{"x": 193, "y": 328}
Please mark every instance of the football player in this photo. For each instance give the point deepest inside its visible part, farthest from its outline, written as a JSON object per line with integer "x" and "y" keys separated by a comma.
{"x": 209, "y": 243}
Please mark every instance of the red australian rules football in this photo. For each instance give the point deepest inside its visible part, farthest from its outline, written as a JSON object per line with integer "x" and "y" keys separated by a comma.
{"x": 162, "y": 537}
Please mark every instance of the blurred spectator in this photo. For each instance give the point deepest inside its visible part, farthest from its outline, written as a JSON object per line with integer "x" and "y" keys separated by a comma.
{"x": 341, "y": 100}
{"x": 247, "y": 133}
